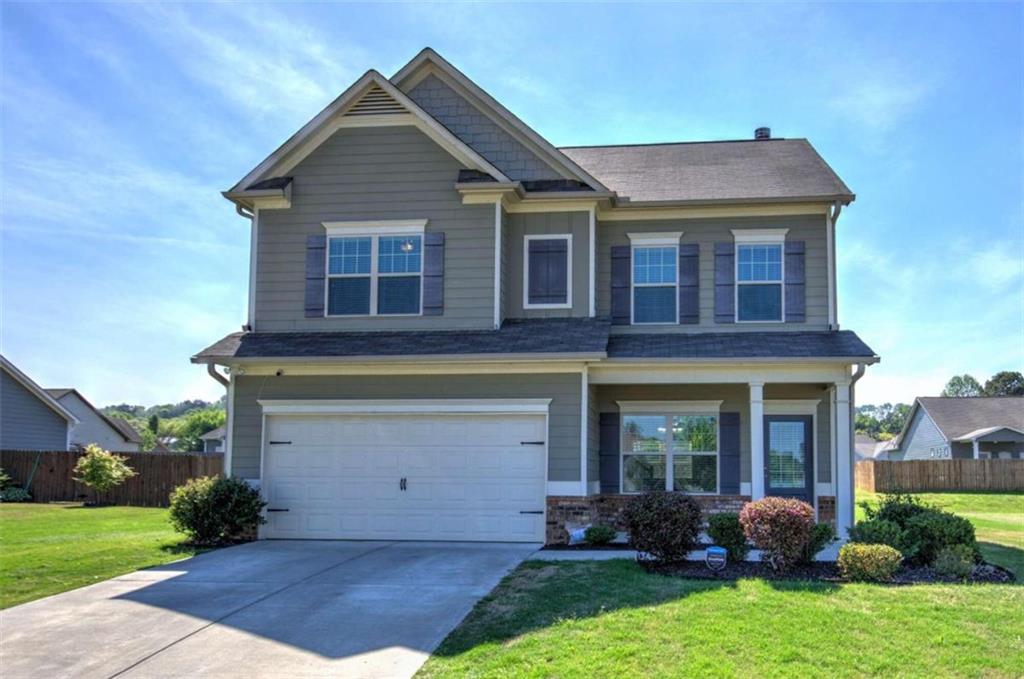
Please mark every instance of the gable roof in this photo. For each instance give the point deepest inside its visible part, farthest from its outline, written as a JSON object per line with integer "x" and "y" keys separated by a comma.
{"x": 981, "y": 433}
{"x": 313, "y": 133}
{"x": 37, "y": 391}
{"x": 214, "y": 434}
{"x": 541, "y": 146}
{"x": 123, "y": 428}
{"x": 958, "y": 417}
{"x": 779, "y": 170}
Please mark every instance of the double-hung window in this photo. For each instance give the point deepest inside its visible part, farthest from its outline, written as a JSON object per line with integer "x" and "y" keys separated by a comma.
{"x": 374, "y": 274}
{"x": 547, "y": 272}
{"x": 759, "y": 275}
{"x": 655, "y": 277}
{"x": 675, "y": 449}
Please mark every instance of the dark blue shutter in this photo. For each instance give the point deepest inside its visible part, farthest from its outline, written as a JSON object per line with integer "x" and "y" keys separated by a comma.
{"x": 548, "y": 271}
{"x": 795, "y": 282}
{"x": 316, "y": 260}
{"x": 433, "y": 274}
{"x": 729, "y": 453}
{"x": 621, "y": 276}
{"x": 725, "y": 282}
{"x": 609, "y": 454}
{"x": 689, "y": 283}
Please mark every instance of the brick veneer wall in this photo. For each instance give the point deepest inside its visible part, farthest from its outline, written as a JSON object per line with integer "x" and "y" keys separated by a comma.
{"x": 827, "y": 509}
{"x": 607, "y": 510}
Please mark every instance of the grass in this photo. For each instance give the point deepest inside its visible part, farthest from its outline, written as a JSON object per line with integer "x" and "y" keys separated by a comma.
{"x": 51, "y": 548}
{"x": 612, "y": 619}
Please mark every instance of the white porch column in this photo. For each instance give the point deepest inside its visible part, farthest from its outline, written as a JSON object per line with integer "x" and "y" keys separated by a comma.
{"x": 977, "y": 453}
{"x": 756, "y": 440}
{"x": 844, "y": 462}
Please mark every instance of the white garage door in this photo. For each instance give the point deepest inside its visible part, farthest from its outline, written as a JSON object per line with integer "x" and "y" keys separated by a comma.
{"x": 405, "y": 477}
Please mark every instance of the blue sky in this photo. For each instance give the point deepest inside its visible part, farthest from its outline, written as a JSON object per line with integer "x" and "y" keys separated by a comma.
{"x": 122, "y": 123}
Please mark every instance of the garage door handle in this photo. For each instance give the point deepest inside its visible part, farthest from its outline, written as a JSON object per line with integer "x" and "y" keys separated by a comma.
{"x": 537, "y": 511}
{"x": 280, "y": 443}
{"x": 277, "y": 510}
{"x": 531, "y": 443}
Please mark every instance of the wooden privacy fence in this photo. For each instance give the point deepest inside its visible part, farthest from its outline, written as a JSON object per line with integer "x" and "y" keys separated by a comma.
{"x": 156, "y": 475}
{"x": 921, "y": 476}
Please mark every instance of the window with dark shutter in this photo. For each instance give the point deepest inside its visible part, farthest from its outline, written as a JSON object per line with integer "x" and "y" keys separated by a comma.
{"x": 548, "y": 265}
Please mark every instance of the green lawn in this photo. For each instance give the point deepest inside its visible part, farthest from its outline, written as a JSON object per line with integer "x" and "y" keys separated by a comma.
{"x": 50, "y": 548}
{"x": 611, "y": 619}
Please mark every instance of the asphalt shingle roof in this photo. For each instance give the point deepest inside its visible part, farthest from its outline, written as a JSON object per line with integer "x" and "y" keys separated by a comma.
{"x": 735, "y": 345}
{"x": 958, "y": 416}
{"x": 772, "y": 169}
{"x": 534, "y": 336}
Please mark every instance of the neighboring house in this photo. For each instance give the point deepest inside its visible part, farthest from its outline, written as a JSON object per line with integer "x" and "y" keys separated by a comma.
{"x": 214, "y": 440}
{"x": 30, "y": 419}
{"x": 109, "y": 433}
{"x": 864, "y": 447}
{"x": 986, "y": 427}
{"x": 458, "y": 331}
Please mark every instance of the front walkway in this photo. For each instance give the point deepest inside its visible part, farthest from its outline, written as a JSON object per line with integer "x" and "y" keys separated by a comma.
{"x": 264, "y": 609}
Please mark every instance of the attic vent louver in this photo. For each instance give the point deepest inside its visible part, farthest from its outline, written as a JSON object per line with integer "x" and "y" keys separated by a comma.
{"x": 374, "y": 103}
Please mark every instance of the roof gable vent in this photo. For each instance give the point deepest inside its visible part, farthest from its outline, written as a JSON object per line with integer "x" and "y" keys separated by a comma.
{"x": 374, "y": 103}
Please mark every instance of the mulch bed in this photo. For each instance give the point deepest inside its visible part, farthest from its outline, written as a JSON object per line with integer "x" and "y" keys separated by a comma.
{"x": 822, "y": 571}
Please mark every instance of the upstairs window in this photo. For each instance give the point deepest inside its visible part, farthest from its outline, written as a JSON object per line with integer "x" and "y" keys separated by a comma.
{"x": 759, "y": 282}
{"x": 547, "y": 275}
{"x": 655, "y": 292}
{"x": 374, "y": 275}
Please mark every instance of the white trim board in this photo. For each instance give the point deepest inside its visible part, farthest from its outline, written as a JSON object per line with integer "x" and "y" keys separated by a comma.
{"x": 652, "y": 239}
{"x": 396, "y": 227}
{"x": 411, "y": 406}
{"x": 669, "y": 407}
{"x": 759, "y": 236}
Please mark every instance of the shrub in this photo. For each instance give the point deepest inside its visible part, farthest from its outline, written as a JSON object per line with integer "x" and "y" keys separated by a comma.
{"x": 955, "y": 560}
{"x": 874, "y": 563}
{"x": 663, "y": 525}
{"x": 15, "y": 494}
{"x": 780, "y": 527}
{"x": 896, "y": 507}
{"x": 5, "y": 479}
{"x": 725, "y": 530}
{"x": 928, "y": 532}
{"x": 821, "y": 535}
{"x": 599, "y": 535}
{"x": 101, "y": 470}
{"x": 212, "y": 509}
{"x": 877, "y": 532}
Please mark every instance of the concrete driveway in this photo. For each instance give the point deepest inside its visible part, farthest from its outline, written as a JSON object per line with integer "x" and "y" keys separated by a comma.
{"x": 264, "y": 609}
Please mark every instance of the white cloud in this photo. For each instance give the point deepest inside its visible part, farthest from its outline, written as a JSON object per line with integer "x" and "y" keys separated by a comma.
{"x": 880, "y": 102}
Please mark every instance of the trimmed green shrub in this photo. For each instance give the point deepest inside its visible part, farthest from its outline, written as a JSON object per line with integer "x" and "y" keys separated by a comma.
{"x": 212, "y": 509}
{"x": 873, "y": 563}
{"x": 599, "y": 535}
{"x": 821, "y": 535}
{"x": 895, "y": 507}
{"x": 780, "y": 527}
{"x": 5, "y": 479}
{"x": 877, "y": 532}
{"x": 955, "y": 560}
{"x": 725, "y": 530}
{"x": 101, "y": 470}
{"x": 15, "y": 494}
{"x": 663, "y": 525}
{"x": 927, "y": 533}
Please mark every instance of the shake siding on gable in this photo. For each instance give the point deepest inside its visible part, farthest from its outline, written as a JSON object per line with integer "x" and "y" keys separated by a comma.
{"x": 26, "y": 423}
{"x": 375, "y": 174}
{"x": 922, "y": 439}
{"x": 706, "y": 232}
{"x": 540, "y": 223}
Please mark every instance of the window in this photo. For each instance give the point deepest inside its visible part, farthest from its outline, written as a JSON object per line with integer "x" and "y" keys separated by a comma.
{"x": 759, "y": 282}
{"x": 547, "y": 273}
{"x": 655, "y": 292}
{"x": 374, "y": 275}
{"x": 670, "y": 451}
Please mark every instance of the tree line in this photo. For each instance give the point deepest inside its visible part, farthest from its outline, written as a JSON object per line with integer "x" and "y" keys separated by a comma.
{"x": 176, "y": 425}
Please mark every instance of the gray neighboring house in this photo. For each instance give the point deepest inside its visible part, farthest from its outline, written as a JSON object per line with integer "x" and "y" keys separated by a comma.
{"x": 110, "y": 433}
{"x": 457, "y": 331}
{"x": 983, "y": 428}
{"x": 31, "y": 419}
{"x": 214, "y": 440}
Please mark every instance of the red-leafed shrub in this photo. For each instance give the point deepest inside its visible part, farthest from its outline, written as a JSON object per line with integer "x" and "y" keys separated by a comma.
{"x": 781, "y": 528}
{"x": 663, "y": 525}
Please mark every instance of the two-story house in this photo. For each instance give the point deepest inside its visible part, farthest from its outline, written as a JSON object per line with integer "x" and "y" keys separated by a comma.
{"x": 459, "y": 332}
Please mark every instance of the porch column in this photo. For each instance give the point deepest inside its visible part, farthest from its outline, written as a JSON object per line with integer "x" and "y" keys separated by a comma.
{"x": 977, "y": 453}
{"x": 844, "y": 462}
{"x": 756, "y": 440}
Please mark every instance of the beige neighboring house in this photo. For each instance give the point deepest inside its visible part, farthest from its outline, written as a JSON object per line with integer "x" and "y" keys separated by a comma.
{"x": 109, "y": 433}
{"x": 214, "y": 440}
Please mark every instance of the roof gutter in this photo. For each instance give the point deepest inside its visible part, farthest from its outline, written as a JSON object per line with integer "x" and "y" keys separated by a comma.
{"x": 211, "y": 369}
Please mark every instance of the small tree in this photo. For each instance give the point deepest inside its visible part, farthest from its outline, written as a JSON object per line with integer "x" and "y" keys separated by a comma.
{"x": 101, "y": 470}
{"x": 154, "y": 424}
{"x": 962, "y": 386}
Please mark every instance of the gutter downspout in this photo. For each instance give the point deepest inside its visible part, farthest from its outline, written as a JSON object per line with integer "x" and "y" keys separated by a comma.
{"x": 857, "y": 374}
{"x": 830, "y": 233}
{"x": 211, "y": 369}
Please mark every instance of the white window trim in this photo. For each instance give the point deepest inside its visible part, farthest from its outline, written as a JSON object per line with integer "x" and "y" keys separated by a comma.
{"x": 667, "y": 409}
{"x": 567, "y": 237}
{"x": 652, "y": 240}
{"x": 374, "y": 231}
{"x": 775, "y": 237}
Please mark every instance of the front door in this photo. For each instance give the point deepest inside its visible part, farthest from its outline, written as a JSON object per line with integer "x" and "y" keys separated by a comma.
{"x": 789, "y": 456}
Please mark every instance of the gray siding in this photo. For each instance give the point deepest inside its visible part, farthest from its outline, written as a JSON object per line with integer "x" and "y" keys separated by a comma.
{"x": 923, "y": 440}
{"x": 94, "y": 429}
{"x": 562, "y": 388}
{"x": 376, "y": 174}
{"x": 706, "y": 232}
{"x": 593, "y": 435}
{"x": 478, "y": 131}
{"x": 521, "y": 225}
{"x": 506, "y": 254}
{"x": 26, "y": 423}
